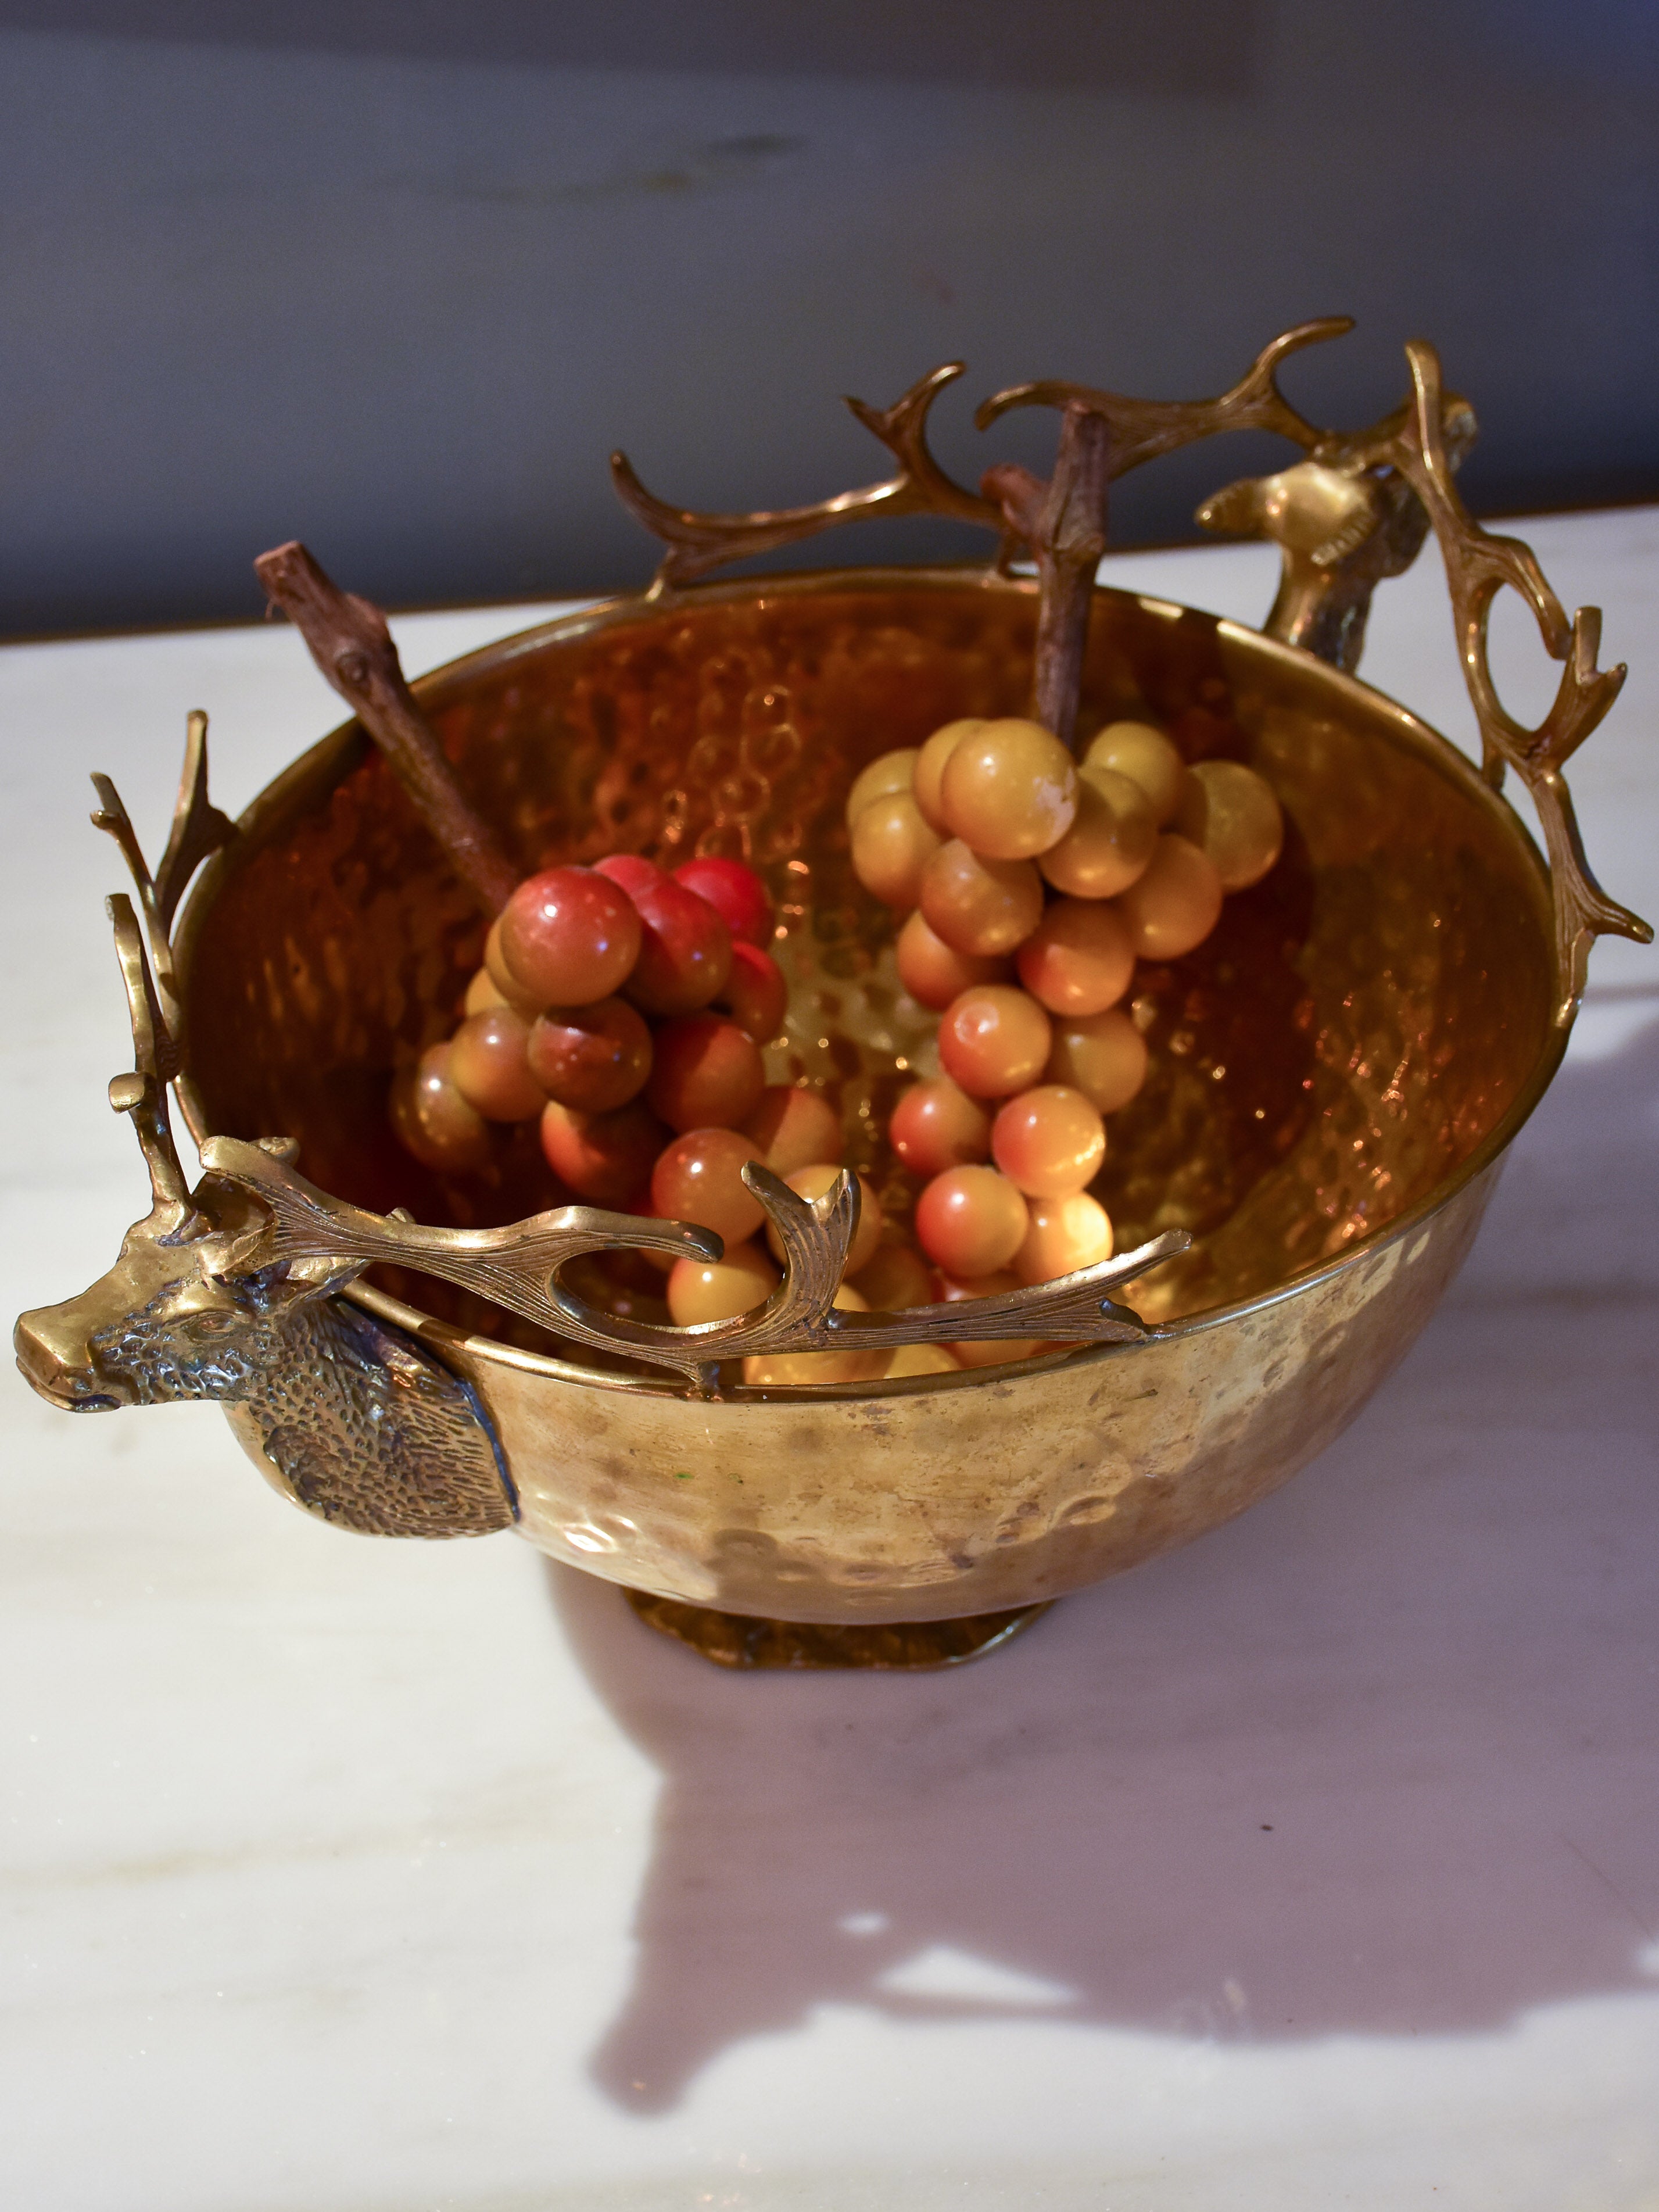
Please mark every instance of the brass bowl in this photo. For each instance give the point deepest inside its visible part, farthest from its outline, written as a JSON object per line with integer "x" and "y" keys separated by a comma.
{"x": 1336, "y": 1073}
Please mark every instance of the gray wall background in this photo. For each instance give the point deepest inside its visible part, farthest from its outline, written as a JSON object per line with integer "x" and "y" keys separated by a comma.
{"x": 396, "y": 277}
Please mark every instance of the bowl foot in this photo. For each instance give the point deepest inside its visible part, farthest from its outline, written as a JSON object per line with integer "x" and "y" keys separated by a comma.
{"x": 734, "y": 1640}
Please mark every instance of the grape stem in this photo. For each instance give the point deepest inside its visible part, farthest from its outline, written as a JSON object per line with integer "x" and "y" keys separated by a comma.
{"x": 352, "y": 647}
{"x": 1064, "y": 523}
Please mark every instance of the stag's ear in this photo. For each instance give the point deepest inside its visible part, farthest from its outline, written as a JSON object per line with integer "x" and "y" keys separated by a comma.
{"x": 144, "y": 1094}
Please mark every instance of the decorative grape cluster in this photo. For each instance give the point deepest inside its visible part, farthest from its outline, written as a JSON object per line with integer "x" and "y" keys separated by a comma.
{"x": 624, "y": 1009}
{"x": 1016, "y": 863}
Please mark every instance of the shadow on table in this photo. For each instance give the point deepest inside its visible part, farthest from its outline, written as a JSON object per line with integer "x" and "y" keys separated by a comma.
{"x": 1377, "y": 1758}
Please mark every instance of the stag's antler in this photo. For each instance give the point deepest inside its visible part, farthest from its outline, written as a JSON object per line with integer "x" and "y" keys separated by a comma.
{"x": 697, "y": 543}
{"x": 1479, "y": 564}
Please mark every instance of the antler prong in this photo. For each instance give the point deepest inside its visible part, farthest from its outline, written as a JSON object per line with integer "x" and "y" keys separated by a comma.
{"x": 142, "y": 1094}
{"x": 697, "y": 543}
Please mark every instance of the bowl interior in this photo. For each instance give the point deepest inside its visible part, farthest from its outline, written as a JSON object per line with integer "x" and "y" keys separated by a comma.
{"x": 1355, "y": 1032}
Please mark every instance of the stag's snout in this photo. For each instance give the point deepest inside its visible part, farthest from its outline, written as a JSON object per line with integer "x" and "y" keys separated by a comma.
{"x": 53, "y": 1358}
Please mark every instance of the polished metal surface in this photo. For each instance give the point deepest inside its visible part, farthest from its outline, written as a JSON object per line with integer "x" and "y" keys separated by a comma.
{"x": 1336, "y": 1073}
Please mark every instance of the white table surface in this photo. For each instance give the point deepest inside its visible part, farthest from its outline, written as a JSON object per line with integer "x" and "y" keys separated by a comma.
{"x": 1316, "y": 1865}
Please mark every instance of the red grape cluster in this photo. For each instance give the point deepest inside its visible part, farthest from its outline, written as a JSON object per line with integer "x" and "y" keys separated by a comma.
{"x": 1033, "y": 885}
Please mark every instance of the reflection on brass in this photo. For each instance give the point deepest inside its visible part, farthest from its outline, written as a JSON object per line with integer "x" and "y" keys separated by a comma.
{"x": 350, "y": 1416}
{"x": 735, "y": 1640}
{"x": 1335, "y": 1075}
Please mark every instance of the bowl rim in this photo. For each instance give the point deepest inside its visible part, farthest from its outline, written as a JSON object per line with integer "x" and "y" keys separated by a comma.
{"x": 336, "y": 748}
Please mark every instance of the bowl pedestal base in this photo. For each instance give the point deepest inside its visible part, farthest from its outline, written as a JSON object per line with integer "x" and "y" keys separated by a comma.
{"x": 736, "y": 1639}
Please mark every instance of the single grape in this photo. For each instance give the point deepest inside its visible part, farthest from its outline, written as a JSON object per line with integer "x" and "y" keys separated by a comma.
{"x": 1109, "y": 843}
{"x": 1102, "y": 1055}
{"x": 568, "y": 936}
{"x": 737, "y": 895}
{"x": 893, "y": 772}
{"x": 895, "y": 1278}
{"x": 755, "y": 993}
{"x": 488, "y": 1065}
{"x": 1050, "y": 1140}
{"x": 1009, "y": 790}
{"x": 920, "y": 1359}
{"x": 812, "y": 1181}
{"x": 980, "y": 907}
{"x": 698, "y": 1178}
{"x": 793, "y": 1127}
{"x": 790, "y": 1369}
{"x": 970, "y": 1221}
{"x": 1080, "y": 957}
{"x": 994, "y": 1041}
{"x": 930, "y": 769}
{"x": 719, "y": 1290}
{"x": 892, "y": 846}
{"x": 705, "y": 1073}
{"x": 433, "y": 1121}
{"x": 482, "y": 992}
{"x": 935, "y": 1125}
{"x": 685, "y": 949}
{"x": 933, "y": 974}
{"x": 509, "y": 992}
{"x": 1147, "y": 756}
{"x": 993, "y": 1352}
{"x": 603, "y": 1157}
{"x": 591, "y": 1057}
{"x": 1174, "y": 905}
{"x": 1233, "y": 815}
{"x": 1065, "y": 1234}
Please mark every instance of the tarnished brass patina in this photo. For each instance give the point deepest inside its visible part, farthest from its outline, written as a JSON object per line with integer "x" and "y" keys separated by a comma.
{"x": 1336, "y": 1073}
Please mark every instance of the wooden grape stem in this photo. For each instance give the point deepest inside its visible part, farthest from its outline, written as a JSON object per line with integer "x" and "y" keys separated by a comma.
{"x": 352, "y": 647}
{"x": 1064, "y": 523}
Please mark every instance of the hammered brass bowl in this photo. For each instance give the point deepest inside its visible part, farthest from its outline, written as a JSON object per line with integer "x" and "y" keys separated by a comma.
{"x": 1336, "y": 1075}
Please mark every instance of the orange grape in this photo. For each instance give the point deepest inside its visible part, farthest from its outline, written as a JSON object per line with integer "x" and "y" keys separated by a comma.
{"x": 488, "y": 1066}
{"x": 1102, "y": 1055}
{"x": 793, "y": 1127}
{"x": 892, "y": 772}
{"x": 934, "y": 973}
{"x": 1146, "y": 757}
{"x": 1008, "y": 790}
{"x": 1050, "y": 1140}
{"x": 935, "y": 1125}
{"x": 970, "y": 1221}
{"x": 895, "y": 1278}
{"x": 1173, "y": 908}
{"x": 1080, "y": 957}
{"x": 698, "y": 1178}
{"x": 753, "y": 994}
{"x": 1067, "y": 1233}
{"x": 930, "y": 767}
{"x": 432, "y": 1119}
{"x": 892, "y": 846}
{"x": 920, "y": 1359}
{"x": 1109, "y": 843}
{"x": 719, "y": 1290}
{"x": 981, "y": 907}
{"x": 994, "y": 1041}
{"x": 1233, "y": 815}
